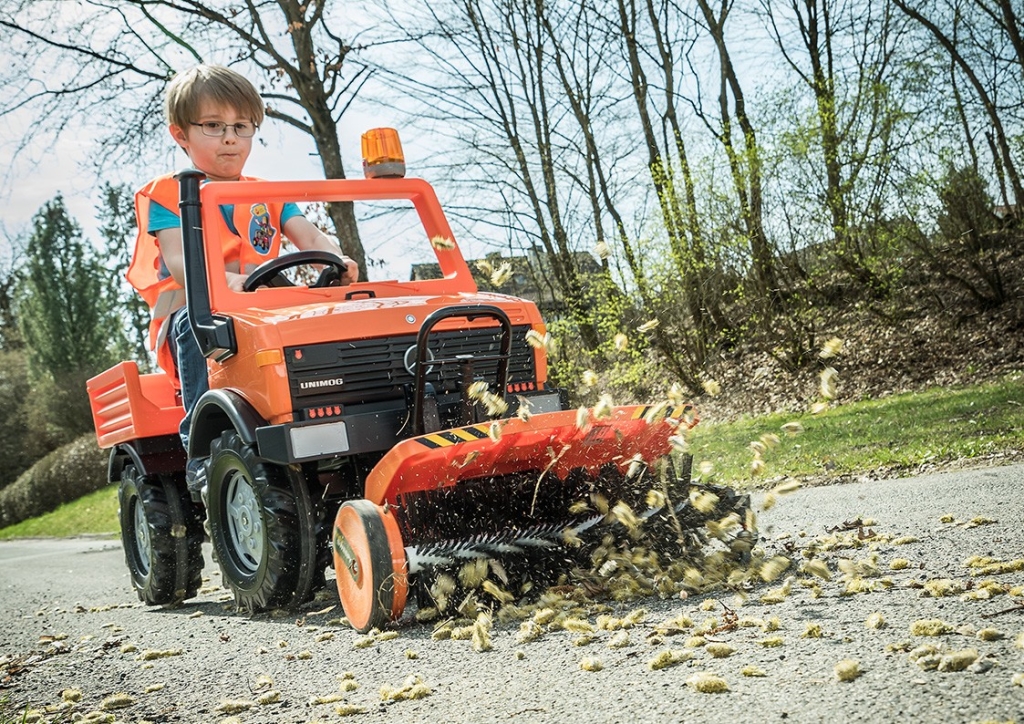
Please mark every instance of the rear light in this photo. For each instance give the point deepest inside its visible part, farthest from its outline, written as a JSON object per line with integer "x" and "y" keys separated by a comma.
{"x": 521, "y": 387}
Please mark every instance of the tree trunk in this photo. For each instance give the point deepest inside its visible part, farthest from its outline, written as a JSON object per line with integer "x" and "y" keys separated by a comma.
{"x": 749, "y": 186}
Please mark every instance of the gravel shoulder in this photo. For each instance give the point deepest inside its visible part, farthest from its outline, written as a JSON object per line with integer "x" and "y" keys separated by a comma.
{"x": 70, "y": 621}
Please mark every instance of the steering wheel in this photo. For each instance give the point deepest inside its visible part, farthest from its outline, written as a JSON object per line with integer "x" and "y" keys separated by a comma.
{"x": 268, "y": 273}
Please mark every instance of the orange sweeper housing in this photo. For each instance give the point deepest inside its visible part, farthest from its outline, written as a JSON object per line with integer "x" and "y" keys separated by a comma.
{"x": 390, "y": 429}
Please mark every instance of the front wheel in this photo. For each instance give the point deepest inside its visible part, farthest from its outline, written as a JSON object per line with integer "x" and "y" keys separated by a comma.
{"x": 370, "y": 564}
{"x": 256, "y": 528}
{"x": 162, "y": 535}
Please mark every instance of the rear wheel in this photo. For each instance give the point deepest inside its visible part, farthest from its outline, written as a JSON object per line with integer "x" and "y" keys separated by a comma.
{"x": 369, "y": 563}
{"x": 262, "y": 527}
{"x": 162, "y": 535}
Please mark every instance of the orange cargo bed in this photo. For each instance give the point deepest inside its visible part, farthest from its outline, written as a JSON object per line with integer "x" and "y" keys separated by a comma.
{"x": 129, "y": 406}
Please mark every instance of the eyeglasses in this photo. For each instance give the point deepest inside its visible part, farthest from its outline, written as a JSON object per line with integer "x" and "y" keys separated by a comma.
{"x": 216, "y": 129}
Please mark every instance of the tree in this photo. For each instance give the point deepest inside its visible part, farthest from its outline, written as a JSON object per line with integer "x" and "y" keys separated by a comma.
{"x": 491, "y": 68}
{"x": 10, "y": 279}
{"x": 117, "y": 218}
{"x": 745, "y": 165}
{"x": 844, "y": 53}
{"x": 983, "y": 39}
{"x": 120, "y": 55}
{"x": 69, "y": 328}
{"x": 17, "y": 451}
{"x": 665, "y": 149}
{"x": 968, "y": 249}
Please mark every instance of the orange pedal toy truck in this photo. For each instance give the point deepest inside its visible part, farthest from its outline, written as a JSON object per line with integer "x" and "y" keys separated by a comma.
{"x": 387, "y": 429}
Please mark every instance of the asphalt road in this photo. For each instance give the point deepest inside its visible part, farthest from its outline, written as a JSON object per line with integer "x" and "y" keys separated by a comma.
{"x": 70, "y": 621}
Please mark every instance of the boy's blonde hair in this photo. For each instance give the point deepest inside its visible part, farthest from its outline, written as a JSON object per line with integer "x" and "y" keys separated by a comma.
{"x": 213, "y": 83}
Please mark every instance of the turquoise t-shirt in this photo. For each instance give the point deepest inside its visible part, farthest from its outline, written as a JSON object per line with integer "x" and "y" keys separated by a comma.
{"x": 161, "y": 218}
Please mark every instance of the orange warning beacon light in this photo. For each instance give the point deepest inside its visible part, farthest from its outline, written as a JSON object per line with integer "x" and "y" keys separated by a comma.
{"x": 382, "y": 154}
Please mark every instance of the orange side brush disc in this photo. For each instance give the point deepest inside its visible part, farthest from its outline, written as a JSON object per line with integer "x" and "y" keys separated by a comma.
{"x": 370, "y": 565}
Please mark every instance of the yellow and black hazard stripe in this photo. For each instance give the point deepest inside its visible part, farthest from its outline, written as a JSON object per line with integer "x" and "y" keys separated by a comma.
{"x": 676, "y": 411}
{"x": 455, "y": 436}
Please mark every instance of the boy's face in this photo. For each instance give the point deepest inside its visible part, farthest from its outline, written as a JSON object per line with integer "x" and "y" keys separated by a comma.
{"x": 223, "y": 158}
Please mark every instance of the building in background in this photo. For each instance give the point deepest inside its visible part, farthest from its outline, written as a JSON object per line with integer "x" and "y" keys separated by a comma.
{"x": 531, "y": 276}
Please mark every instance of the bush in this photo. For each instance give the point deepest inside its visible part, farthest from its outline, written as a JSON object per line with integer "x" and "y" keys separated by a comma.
{"x": 60, "y": 410}
{"x": 66, "y": 474}
{"x": 18, "y": 448}
{"x": 967, "y": 207}
{"x": 968, "y": 251}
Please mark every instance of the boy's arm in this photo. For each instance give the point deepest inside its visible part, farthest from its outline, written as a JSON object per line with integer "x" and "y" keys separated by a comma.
{"x": 174, "y": 258}
{"x": 309, "y": 238}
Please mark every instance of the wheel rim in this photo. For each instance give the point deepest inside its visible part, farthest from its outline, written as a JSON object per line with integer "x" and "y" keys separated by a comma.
{"x": 143, "y": 548}
{"x": 244, "y": 522}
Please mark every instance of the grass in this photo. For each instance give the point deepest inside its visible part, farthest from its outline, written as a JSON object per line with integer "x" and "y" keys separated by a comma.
{"x": 95, "y": 513}
{"x": 900, "y": 432}
{"x": 893, "y": 433}
{"x": 8, "y": 715}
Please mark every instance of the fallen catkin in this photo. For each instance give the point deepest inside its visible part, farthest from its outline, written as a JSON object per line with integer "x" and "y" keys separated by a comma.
{"x": 875, "y": 620}
{"x": 269, "y": 697}
{"x": 234, "y": 706}
{"x": 930, "y": 627}
{"x": 482, "y": 633}
{"x": 847, "y": 670}
{"x": 412, "y": 688}
{"x": 719, "y": 651}
{"x": 989, "y": 634}
{"x": 958, "y": 660}
{"x": 591, "y": 664}
{"x": 117, "y": 701}
{"x": 812, "y": 631}
{"x": 669, "y": 657}
{"x": 707, "y": 683}
{"x": 349, "y": 709}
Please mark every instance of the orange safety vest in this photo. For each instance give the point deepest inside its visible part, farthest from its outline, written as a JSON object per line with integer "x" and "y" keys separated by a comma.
{"x": 260, "y": 223}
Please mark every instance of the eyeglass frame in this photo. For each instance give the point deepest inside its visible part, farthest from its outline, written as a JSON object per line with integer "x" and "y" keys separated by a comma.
{"x": 205, "y": 127}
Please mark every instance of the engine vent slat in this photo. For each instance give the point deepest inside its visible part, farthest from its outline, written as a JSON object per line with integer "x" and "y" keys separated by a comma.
{"x": 375, "y": 369}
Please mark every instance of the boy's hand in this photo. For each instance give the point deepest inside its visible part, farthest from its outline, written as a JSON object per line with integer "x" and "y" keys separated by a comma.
{"x": 351, "y": 271}
{"x": 236, "y": 281}
{"x": 330, "y": 276}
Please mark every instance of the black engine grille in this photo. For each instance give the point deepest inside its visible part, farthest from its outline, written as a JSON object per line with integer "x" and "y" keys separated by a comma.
{"x": 373, "y": 370}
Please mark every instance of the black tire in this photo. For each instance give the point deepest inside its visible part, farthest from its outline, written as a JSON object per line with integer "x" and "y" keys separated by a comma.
{"x": 261, "y": 526}
{"x": 315, "y": 532}
{"x": 162, "y": 536}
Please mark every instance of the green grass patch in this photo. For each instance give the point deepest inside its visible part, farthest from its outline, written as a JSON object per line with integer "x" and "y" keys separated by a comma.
{"x": 898, "y": 432}
{"x": 95, "y": 513}
{"x": 9, "y": 714}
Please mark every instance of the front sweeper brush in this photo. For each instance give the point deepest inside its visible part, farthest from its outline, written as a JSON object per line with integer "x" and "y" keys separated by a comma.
{"x": 506, "y": 507}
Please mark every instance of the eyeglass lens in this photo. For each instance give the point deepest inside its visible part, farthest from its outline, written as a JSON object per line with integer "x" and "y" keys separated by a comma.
{"x": 218, "y": 128}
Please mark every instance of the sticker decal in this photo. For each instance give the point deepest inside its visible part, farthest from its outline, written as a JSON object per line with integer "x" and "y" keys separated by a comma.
{"x": 261, "y": 232}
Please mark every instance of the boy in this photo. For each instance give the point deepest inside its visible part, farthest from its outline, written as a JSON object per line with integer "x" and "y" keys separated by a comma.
{"x": 213, "y": 114}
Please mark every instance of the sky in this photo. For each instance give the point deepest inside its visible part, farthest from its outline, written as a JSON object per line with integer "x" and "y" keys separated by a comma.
{"x": 50, "y": 166}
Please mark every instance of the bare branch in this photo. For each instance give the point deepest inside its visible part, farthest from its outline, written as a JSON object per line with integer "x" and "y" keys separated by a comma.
{"x": 78, "y": 50}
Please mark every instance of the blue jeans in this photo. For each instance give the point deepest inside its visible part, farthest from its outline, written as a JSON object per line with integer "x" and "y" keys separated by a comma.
{"x": 192, "y": 372}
